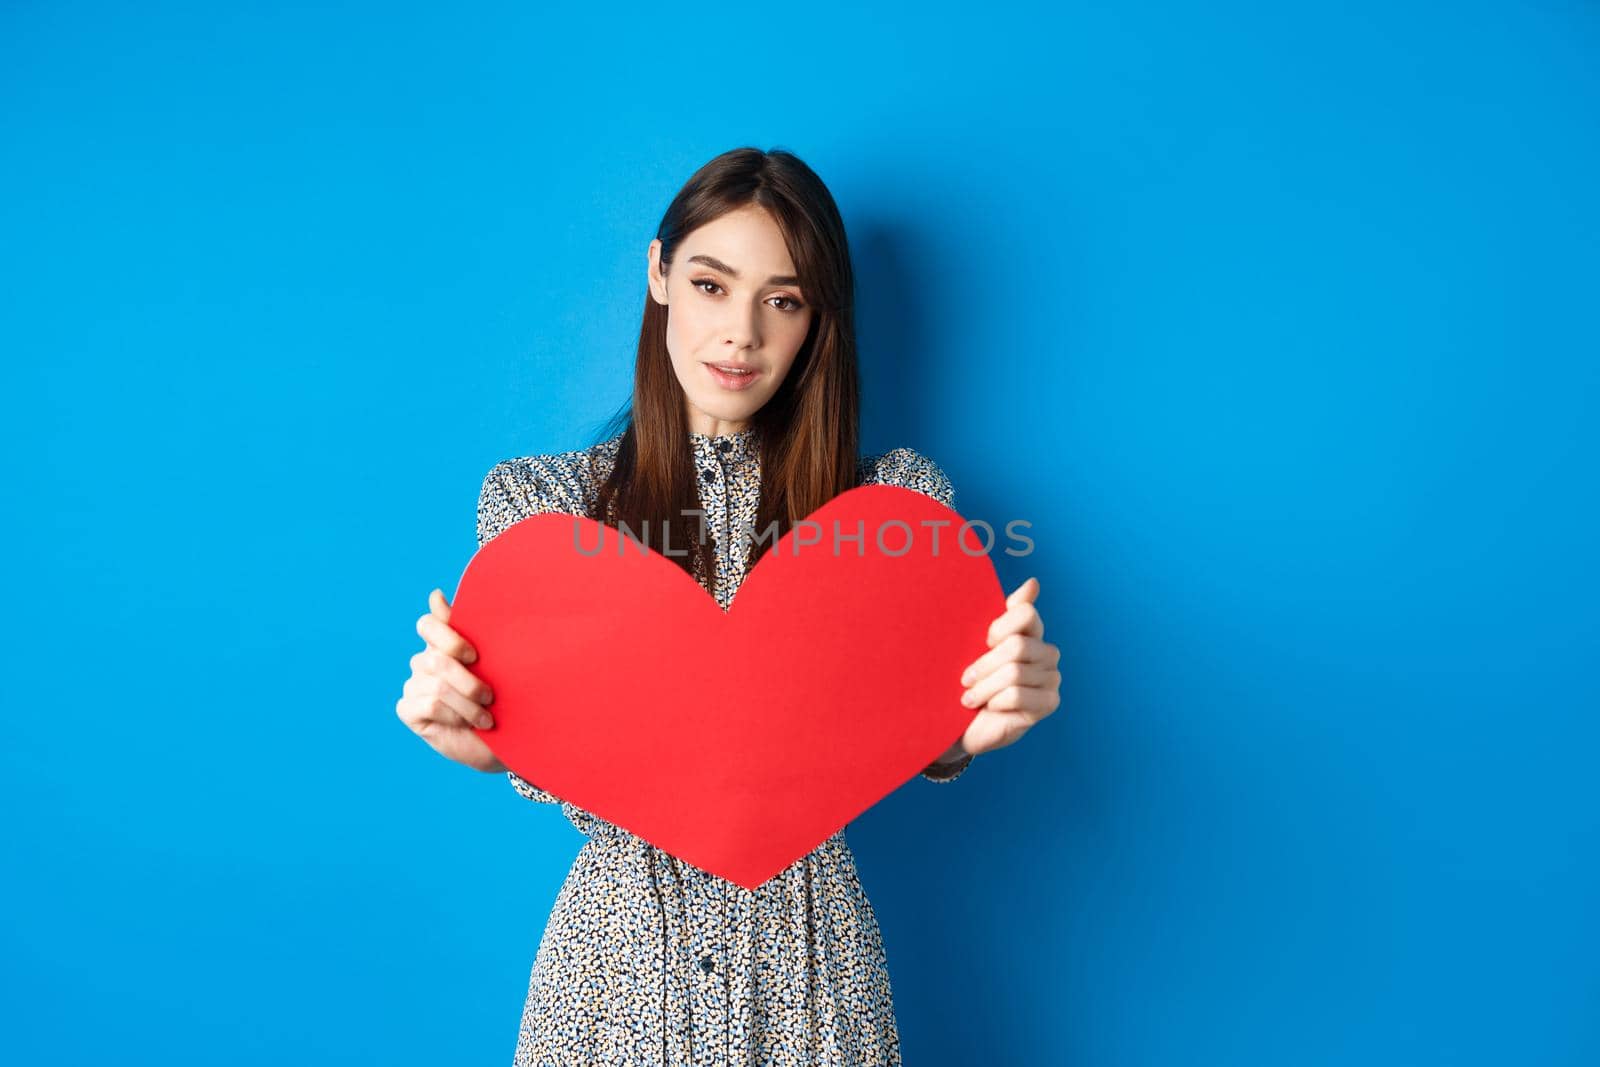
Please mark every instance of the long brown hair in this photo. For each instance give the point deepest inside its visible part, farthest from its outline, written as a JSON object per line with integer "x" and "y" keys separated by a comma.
{"x": 807, "y": 432}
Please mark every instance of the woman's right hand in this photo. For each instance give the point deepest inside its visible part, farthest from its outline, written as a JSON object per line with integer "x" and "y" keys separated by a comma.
{"x": 442, "y": 701}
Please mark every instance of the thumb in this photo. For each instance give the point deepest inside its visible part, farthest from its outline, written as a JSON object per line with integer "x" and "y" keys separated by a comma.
{"x": 1024, "y": 593}
{"x": 439, "y": 605}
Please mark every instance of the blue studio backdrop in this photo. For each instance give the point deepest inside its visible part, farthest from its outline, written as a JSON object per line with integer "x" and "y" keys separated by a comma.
{"x": 1278, "y": 324}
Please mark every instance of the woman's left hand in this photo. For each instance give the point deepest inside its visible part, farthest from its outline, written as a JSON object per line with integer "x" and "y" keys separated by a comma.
{"x": 1015, "y": 683}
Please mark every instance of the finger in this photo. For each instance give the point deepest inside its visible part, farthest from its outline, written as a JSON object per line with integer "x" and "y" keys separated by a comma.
{"x": 1030, "y": 702}
{"x": 438, "y": 605}
{"x": 439, "y": 635}
{"x": 1008, "y": 675}
{"x": 466, "y": 682}
{"x": 1022, "y": 619}
{"x": 1024, "y": 648}
{"x": 432, "y": 699}
{"x": 431, "y": 661}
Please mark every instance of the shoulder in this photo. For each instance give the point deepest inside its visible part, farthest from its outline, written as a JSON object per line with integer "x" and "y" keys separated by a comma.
{"x": 908, "y": 469}
{"x": 563, "y": 482}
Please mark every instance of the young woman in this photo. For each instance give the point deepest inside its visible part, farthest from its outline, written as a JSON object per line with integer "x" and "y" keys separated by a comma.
{"x": 744, "y": 413}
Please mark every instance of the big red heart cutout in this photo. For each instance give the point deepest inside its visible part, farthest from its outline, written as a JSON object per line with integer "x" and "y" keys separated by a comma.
{"x": 739, "y": 741}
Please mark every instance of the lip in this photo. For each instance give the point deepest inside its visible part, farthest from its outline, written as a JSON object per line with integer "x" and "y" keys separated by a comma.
{"x": 733, "y": 382}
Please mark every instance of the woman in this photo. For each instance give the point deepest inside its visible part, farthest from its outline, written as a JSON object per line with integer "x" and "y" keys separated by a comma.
{"x": 744, "y": 413}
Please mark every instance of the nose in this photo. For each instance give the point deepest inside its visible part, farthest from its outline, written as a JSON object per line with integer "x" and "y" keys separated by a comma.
{"x": 741, "y": 328}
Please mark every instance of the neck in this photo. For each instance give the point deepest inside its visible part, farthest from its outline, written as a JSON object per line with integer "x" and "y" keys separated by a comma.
{"x": 718, "y": 427}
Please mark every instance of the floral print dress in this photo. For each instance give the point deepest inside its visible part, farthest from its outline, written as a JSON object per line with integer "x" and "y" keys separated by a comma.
{"x": 647, "y": 959}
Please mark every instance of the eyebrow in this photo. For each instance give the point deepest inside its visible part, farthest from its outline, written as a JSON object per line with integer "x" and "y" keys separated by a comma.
{"x": 716, "y": 264}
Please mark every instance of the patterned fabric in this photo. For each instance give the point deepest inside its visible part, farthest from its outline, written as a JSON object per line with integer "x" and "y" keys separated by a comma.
{"x": 649, "y": 960}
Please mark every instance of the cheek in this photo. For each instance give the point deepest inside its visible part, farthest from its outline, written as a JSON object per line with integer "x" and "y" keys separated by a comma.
{"x": 684, "y": 330}
{"x": 794, "y": 338}
{"x": 786, "y": 369}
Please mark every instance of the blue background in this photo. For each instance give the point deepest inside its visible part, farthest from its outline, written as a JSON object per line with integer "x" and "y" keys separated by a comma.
{"x": 1279, "y": 324}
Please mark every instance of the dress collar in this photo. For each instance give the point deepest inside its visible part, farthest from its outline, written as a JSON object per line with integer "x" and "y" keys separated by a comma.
{"x": 732, "y": 447}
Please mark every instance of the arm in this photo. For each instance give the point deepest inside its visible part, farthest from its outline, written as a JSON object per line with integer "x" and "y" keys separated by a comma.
{"x": 502, "y": 501}
{"x": 909, "y": 469}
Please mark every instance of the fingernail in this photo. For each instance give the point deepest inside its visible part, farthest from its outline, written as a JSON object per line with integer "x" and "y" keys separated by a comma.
{"x": 485, "y": 697}
{"x": 966, "y": 679}
{"x": 968, "y": 699}
{"x": 486, "y": 723}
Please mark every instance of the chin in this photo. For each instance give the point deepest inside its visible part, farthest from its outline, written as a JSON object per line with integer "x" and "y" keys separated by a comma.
{"x": 733, "y": 413}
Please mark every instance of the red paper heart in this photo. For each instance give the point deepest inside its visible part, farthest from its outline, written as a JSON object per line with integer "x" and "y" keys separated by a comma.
{"x": 739, "y": 741}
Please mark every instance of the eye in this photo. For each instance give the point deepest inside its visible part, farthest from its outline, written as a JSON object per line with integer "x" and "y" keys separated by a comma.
{"x": 792, "y": 305}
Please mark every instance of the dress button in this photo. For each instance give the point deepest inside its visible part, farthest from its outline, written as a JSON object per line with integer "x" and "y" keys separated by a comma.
{"x": 708, "y": 474}
{"x": 724, "y": 445}
{"x": 706, "y": 963}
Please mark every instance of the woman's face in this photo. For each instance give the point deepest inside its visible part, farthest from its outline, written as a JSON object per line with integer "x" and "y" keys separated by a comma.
{"x": 732, "y": 298}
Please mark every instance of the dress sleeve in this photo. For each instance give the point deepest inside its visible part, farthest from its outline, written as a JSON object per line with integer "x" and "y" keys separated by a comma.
{"x": 910, "y": 469}
{"x": 514, "y": 489}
